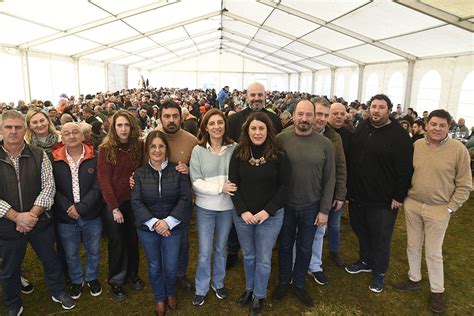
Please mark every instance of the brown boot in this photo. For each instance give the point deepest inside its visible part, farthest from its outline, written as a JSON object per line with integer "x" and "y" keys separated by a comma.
{"x": 172, "y": 302}
{"x": 436, "y": 303}
{"x": 160, "y": 309}
{"x": 406, "y": 286}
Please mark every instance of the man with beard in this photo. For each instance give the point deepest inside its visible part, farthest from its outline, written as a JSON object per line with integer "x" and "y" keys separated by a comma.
{"x": 181, "y": 145}
{"x": 255, "y": 103}
{"x": 418, "y": 130}
{"x": 379, "y": 174}
{"x": 307, "y": 201}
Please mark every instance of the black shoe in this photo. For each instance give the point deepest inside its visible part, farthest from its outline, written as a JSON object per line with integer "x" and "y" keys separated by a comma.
{"x": 220, "y": 293}
{"x": 94, "y": 287}
{"x": 376, "y": 285}
{"x": 26, "y": 286}
{"x": 118, "y": 293}
{"x": 65, "y": 300}
{"x": 232, "y": 259}
{"x": 136, "y": 283}
{"x": 302, "y": 295}
{"x": 334, "y": 256}
{"x": 319, "y": 277}
{"x": 185, "y": 284}
{"x": 245, "y": 298}
{"x": 76, "y": 290}
{"x": 358, "y": 266}
{"x": 256, "y": 306}
{"x": 16, "y": 311}
{"x": 198, "y": 300}
{"x": 280, "y": 292}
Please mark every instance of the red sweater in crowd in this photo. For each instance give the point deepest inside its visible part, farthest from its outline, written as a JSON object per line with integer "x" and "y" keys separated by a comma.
{"x": 114, "y": 179}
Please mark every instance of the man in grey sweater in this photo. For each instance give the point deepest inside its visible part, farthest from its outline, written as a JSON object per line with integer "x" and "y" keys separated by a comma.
{"x": 308, "y": 200}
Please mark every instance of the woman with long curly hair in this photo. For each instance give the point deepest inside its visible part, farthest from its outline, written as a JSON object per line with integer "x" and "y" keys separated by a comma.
{"x": 40, "y": 130}
{"x": 119, "y": 155}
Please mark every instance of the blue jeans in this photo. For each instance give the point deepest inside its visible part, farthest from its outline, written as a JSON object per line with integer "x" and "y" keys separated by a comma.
{"x": 301, "y": 219}
{"x": 212, "y": 226}
{"x": 162, "y": 256}
{"x": 183, "y": 257}
{"x": 257, "y": 242}
{"x": 317, "y": 250}
{"x": 334, "y": 226}
{"x": 70, "y": 235}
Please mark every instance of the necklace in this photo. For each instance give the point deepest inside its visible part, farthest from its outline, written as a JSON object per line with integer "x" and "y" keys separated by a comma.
{"x": 256, "y": 162}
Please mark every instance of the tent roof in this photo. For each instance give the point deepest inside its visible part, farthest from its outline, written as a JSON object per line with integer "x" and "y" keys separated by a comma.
{"x": 289, "y": 35}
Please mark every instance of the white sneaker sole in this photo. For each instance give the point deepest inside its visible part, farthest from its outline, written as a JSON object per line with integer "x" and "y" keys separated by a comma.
{"x": 64, "y": 307}
{"x": 375, "y": 290}
{"x": 217, "y": 295}
{"x": 96, "y": 294}
{"x": 358, "y": 271}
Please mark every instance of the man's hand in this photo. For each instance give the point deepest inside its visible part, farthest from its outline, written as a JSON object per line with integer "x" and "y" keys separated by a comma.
{"x": 72, "y": 212}
{"x": 336, "y": 205}
{"x": 321, "y": 219}
{"x": 25, "y": 222}
{"x": 396, "y": 205}
{"x": 182, "y": 168}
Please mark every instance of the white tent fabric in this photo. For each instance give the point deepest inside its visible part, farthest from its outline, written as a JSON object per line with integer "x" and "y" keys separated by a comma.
{"x": 291, "y": 44}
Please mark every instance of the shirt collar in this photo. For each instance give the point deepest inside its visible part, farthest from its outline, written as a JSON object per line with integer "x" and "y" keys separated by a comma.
{"x": 10, "y": 155}
{"x": 164, "y": 164}
{"x": 440, "y": 143}
{"x": 223, "y": 148}
{"x": 69, "y": 157}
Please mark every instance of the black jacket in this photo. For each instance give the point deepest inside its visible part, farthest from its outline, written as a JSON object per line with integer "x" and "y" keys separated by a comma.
{"x": 91, "y": 200}
{"x": 174, "y": 198}
{"x": 238, "y": 119}
{"x": 380, "y": 164}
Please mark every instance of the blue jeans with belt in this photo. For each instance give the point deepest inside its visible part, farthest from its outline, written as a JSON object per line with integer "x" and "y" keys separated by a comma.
{"x": 162, "y": 256}
{"x": 257, "y": 242}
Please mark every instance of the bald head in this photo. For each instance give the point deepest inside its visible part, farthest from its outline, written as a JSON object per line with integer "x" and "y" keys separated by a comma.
{"x": 71, "y": 135}
{"x": 256, "y": 96}
{"x": 337, "y": 115}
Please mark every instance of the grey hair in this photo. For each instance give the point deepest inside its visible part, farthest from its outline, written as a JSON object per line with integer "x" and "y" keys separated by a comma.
{"x": 13, "y": 115}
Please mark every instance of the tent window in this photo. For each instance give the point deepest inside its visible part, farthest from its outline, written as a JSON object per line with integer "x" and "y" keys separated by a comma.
{"x": 429, "y": 92}
{"x": 466, "y": 100}
{"x": 395, "y": 88}
{"x": 372, "y": 86}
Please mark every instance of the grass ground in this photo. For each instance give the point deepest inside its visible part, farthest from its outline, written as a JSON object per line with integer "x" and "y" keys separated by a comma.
{"x": 344, "y": 295}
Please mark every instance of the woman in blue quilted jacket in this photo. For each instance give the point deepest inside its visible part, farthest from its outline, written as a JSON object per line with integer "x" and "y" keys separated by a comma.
{"x": 159, "y": 201}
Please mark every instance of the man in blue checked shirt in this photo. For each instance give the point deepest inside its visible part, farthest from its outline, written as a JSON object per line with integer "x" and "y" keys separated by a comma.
{"x": 26, "y": 194}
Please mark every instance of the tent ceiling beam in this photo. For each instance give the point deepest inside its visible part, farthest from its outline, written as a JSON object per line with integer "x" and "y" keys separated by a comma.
{"x": 338, "y": 29}
{"x": 256, "y": 59}
{"x": 291, "y": 37}
{"x": 97, "y": 23}
{"x": 437, "y": 14}
{"x": 303, "y": 57}
{"x": 152, "y": 32}
{"x": 181, "y": 58}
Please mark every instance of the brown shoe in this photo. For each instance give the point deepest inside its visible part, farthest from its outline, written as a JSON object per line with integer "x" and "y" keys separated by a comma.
{"x": 160, "y": 309}
{"x": 407, "y": 285}
{"x": 436, "y": 303}
{"x": 172, "y": 302}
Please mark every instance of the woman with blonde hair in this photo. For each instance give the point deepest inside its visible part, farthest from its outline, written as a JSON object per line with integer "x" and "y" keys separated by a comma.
{"x": 119, "y": 155}
{"x": 40, "y": 130}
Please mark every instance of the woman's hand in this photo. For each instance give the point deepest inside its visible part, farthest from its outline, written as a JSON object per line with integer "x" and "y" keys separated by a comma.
{"x": 229, "y": 188}
{"x": 118, "y": 216}
{"x": 162, "y": 228}
{"x": 249, "y": 218}
{"x": 261, "y": 216}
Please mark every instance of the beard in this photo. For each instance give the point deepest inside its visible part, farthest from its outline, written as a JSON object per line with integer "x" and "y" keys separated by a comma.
{"x": 256, "y": 105}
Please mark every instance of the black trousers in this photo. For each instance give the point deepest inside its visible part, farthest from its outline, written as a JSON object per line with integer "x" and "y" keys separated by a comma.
{"x": 123, "y": 245}
{"x": 373, "y": 226}
{"x": 12, "y": 253}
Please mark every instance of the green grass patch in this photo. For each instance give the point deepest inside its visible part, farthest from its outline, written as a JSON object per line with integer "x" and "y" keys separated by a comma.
{"x": 344, "y": 295}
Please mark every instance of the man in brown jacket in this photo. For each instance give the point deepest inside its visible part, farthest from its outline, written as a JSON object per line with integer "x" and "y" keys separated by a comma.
{"x": 438, "y": 188}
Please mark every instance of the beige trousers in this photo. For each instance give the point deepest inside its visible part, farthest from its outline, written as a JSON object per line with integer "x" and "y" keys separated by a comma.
{"x": 428, "y": 224}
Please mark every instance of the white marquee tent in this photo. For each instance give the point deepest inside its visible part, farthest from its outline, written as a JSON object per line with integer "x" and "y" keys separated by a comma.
{"x": 421, "y": 53}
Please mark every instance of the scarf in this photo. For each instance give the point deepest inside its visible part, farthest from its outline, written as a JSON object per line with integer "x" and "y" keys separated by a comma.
{"x": 46, "y": 145}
